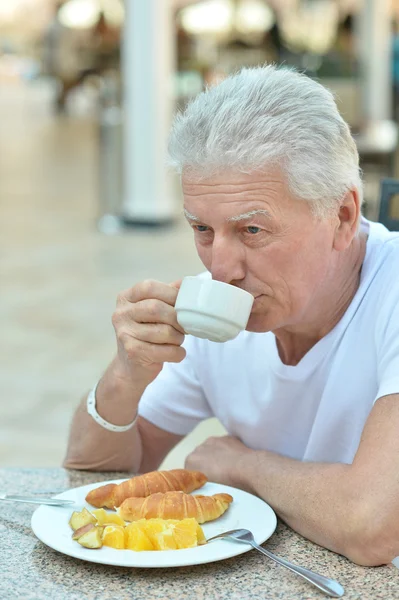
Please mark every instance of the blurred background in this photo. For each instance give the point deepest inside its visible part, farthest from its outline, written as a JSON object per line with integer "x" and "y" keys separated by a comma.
{"x": 87, "y": 92}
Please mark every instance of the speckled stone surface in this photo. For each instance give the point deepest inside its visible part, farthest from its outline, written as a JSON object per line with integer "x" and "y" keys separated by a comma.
{"x": 31, "y": 571}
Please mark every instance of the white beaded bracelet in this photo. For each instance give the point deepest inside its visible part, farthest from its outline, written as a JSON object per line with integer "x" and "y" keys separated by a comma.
{"x": 91, "y": 409}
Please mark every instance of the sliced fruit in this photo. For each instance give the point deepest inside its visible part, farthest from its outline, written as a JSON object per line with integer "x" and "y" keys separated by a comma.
{"x": 200, "y": 535}
{"x": 165, "y": 540}
{"x": 141, "y": 535}
{"x": 153, "y": 527}
{"x": 136, "y": 538}
{"x": 172, "y": 534}
{"x": 185, "y": 533}
{"x": 114, "y": 536}
{"x": 107, "y": 518}
{"x": 92, "y": 539}
{"x": 82, "y": 530}
{"x": 79, "y": 519}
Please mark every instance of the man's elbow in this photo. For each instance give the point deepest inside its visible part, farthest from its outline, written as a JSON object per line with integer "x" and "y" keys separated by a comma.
{"x": 372, "y": 537}
{"x": 111, "y": 463}
{"x": 73, "y": 465}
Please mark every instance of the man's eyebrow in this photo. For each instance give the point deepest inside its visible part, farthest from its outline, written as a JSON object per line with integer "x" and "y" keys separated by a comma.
{"x": 248, "y": 215}
{"x": 235, "y": 219}
{"x": 190, "y": 217}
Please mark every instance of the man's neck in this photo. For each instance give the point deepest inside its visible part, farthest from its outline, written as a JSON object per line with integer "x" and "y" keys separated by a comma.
{"x": 294, "y": 342}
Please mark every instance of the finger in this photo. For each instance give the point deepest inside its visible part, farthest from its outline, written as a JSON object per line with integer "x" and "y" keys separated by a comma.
{"x": 177, "y": 284}
{"x": 145, "y": 311}
{"x": 157, "y": 333}
{"x": 155, "y": 311}
{"x": 151, "y": 289}
{"x": 168, "y": 353}
{"x": 146, "y": 353}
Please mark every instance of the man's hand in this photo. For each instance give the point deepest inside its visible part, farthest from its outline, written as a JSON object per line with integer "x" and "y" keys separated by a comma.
{"x": 219, "y": 459}
{"x": 148, "y": 335}
{"x": 147, "y": 331}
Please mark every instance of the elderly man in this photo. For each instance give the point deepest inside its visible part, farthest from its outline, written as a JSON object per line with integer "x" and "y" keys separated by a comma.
{"x": 309, "y": 393}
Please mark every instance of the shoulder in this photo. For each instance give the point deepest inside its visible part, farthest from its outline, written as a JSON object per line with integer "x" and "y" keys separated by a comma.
{"x": 380, "y": 238}
{"x": 382, "y": 258}
{"x": 382, "y": 280}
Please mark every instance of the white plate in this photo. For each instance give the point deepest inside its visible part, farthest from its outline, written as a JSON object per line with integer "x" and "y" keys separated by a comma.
{"x": 50, "y": 525}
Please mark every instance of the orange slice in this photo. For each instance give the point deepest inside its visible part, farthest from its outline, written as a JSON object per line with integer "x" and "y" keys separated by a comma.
{"x": 114, "y": 536}
{"x": 152, "y": 528}
{"x": 172, "y": 534}
{"x": 136, "y": 538}
{"x": 165, "y": 540}
{"x": 107, "y": 518}
{"x": 185, "y": 533}
{"x": 200, "y": 535}
{"x": 154, "y": 534}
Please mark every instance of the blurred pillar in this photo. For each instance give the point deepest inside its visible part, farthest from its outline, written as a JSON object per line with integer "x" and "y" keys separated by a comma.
{"x": 375, "y": 54}
{"x": 148, "y": 68}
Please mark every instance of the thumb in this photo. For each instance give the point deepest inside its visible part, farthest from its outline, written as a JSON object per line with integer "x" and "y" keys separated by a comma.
{"x": 176, "y": 284}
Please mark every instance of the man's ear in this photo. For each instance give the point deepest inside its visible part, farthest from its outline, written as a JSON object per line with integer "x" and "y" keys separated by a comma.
{"x": 348, "y": 219}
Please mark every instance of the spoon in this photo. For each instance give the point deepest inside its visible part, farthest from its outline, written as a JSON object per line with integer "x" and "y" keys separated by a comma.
{"x": 328, "y": 586}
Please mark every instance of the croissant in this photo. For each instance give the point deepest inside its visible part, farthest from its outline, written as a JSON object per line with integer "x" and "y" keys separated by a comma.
{"x": 175, "y": 505}
{"x": 112, "y": 494}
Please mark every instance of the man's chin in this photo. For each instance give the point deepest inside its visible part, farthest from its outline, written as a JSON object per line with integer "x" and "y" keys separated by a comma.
{"x": 258, "y": 324}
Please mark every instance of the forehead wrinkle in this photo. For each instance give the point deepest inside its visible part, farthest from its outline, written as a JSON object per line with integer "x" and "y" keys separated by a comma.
{"x": 225, "y": 192}
{"x": 240, "y": 186}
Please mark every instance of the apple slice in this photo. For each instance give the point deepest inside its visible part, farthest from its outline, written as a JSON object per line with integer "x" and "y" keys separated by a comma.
{"x": 79, "y": 519}
{"x": 82, "y": 530}
{"x": 92, "y": 538}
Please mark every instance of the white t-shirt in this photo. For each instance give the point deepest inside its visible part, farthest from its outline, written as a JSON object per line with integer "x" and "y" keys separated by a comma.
{"x": 314, "y": 411}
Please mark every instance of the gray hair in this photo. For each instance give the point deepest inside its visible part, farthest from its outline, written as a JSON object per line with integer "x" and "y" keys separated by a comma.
{"x": 264, "y": 117}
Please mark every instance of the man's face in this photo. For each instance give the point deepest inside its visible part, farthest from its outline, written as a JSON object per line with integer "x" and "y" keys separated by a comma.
{"x": 250, "y": 232}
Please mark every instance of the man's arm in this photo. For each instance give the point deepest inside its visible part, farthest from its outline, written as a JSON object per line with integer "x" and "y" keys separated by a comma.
{"x": 138, "y": 450}
{"x": 350, "y": 509}
{"x": 147, "y": 335}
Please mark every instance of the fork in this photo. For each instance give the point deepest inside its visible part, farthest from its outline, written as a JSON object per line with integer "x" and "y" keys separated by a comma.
{"x": 35, "y": 500}
{"x": 328, "y": 586}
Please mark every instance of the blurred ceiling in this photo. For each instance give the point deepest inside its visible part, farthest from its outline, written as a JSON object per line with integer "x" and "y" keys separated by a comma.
{"x": 26, "y": 19}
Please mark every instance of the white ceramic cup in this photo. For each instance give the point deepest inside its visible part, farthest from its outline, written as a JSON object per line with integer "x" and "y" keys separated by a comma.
{"x": 211, "y": 309}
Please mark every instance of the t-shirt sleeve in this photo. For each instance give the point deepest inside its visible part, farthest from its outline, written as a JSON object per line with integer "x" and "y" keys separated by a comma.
{"x": 388, "y": 347}
{"x": 175, "y": 400}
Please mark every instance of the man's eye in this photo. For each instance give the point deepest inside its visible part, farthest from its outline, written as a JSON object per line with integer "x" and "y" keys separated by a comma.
{"x": 201, "y": 228}
{"x": 252, "y": 229}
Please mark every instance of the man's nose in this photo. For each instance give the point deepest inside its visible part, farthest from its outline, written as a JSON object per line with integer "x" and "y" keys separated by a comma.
{"x": 228, "y": 261}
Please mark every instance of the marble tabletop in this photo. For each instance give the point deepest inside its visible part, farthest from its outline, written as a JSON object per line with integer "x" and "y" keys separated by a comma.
{"x": 31, "y": 571}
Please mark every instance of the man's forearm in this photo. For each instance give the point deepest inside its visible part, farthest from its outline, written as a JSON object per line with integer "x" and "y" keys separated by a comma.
{"x": 92, "y": 447}
{"x": 318, "y": 500}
